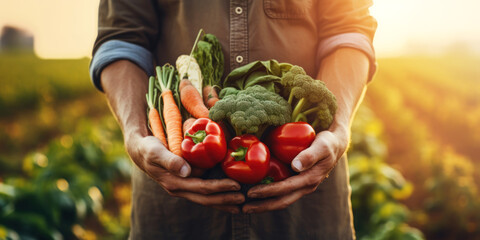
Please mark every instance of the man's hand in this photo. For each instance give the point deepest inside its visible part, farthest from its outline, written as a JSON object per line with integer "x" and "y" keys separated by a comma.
{"x": 125, "y": 86}
{"x": 314, "y": 164}
{"x": 345, "y": 72}
{"x": 171, "y": 171}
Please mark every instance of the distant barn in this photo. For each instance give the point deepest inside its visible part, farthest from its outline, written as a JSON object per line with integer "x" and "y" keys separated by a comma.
{"x": 15, "y": 39}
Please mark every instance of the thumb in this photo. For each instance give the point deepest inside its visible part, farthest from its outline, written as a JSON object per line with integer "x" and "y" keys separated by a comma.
{"x": 155, "y": 154}
{"x": 321, "y": 148}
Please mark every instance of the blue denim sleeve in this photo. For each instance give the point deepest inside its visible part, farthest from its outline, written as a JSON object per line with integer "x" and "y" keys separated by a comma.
{"x": 114, "y": 50}
{"x": 357, "y": 41}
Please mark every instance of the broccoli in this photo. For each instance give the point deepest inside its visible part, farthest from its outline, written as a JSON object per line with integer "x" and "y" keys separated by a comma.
{"x": 227, "y": 91}
{"x": 310, "y": 99}
{"x": 252, "y": 110}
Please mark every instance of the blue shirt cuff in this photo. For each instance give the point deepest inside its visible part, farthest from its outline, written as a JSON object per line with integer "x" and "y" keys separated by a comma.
{"x": 114, "y": 50}
{"x": 351, "y": 40}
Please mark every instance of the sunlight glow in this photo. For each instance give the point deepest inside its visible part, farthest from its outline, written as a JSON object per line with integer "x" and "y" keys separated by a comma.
{"x": 67, "y": 29}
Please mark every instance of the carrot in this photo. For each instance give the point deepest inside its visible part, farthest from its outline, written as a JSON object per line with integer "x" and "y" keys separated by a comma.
{"x": 187, "y": 124}
{"x": 210, "y": 96}
{"x": 211, "y": 102}
{"x": 191, "y": 100}
{"x": 171, "y": 112}
{"x": 173, "y": 122}
{"x": 156, "y": 125}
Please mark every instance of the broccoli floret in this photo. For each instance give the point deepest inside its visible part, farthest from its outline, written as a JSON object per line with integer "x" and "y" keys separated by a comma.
{"x": 227, "y": 91}
{"x": 310, "y": 99}
{"x": 252, "y": 110}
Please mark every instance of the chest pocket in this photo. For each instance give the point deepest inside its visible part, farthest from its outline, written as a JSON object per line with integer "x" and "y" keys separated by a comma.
{"x": 287, "y": 9}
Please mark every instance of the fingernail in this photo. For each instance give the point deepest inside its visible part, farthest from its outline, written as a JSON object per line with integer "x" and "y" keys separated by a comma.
{"x": 184, "y": 171}
{"x": 297, "y": 165}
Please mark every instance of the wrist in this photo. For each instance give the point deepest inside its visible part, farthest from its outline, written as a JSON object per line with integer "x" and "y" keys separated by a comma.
{"x": 125, "y": 86}
{"x": 341, "y": 129}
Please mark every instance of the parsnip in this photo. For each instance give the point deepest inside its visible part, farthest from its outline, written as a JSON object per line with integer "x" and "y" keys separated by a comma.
{"x": 187, "y": 63}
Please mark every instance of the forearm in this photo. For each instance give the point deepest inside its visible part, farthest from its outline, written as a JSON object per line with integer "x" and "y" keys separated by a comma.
{"x": 125, "y": 86}
{"x": 345, "y": 73}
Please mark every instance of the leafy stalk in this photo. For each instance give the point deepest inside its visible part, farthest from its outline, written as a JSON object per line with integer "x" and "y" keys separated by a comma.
{"x": 191, "y": 52}
{"x": 298, "y": 108}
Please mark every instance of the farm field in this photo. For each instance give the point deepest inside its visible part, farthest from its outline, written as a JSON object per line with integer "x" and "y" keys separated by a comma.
{"x": 415, "y": 145}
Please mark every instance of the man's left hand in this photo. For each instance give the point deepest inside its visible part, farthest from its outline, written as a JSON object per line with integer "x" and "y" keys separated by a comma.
{"x": 314, "y": 164}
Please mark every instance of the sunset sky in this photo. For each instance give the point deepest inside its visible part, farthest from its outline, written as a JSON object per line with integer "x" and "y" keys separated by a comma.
{"x": 67, "y": 28}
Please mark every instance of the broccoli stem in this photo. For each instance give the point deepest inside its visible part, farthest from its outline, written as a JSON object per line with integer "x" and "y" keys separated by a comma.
{"x": 315, "y": 123}
{"x": 311, "y": 110}
{"x": 301, "y": 118}
{"x": 290, "y": 98}
{"x": 298, "y": 108}
{"x": 237, "y": 132}
{"x": 261, "y": 130}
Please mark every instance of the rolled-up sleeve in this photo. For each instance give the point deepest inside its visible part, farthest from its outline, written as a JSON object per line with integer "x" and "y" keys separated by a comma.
{"x": 346, "y": 23}
{"x": 114, "y": 50}
{"x": 126, "y": 30}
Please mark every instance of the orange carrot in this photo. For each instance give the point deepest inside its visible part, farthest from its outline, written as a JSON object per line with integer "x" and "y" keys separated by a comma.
{"x": 187, "y": 124}
{"x": 173, "y": 122}
{"x": 191, "y": 100}
{"x": 171, "y": 113}
{"x": 153, "y": 116}
{"x": 156, "y": 126}
{"x": 212, "y": 102}
{"x": 210, "y": 96}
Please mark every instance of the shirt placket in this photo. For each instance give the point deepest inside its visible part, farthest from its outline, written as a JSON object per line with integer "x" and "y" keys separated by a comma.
{"x": 239, "y": 57}
{"x": 238, "y": 33}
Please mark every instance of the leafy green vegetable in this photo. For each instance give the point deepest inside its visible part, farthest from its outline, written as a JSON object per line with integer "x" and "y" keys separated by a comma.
{"x": 311, "y": 100}
{"x": 210, "y": 58}
{"x": 252, "y": 110}
{"x": 228, "y": 91}
{"x": 264, "y": 73}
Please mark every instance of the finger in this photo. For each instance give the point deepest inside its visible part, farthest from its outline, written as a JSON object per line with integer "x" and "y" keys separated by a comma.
{"x": 321, "y": 148}
{"x": 214, "y": 199}
{"x": 155, "y": 154}
{"x": 307, "y": 180}
{"x": 196, "y": 185}
{"x": 274, "y": 203}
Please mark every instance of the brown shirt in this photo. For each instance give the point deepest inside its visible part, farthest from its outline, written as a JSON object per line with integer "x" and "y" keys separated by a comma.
{"x": 301, "y": 32}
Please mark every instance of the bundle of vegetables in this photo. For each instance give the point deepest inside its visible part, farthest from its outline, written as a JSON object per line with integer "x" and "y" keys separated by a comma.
{"x": 310, "y": 99}
{"x": 209, "y": 56}
{"x": 272, "y": 109}
{"x": 249, "y": 111}
{"x": 313, "y": 109}
{"x": 264, "y": 73}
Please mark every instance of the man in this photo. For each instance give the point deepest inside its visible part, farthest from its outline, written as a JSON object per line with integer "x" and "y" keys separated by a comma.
{"x": 331, "y": 40}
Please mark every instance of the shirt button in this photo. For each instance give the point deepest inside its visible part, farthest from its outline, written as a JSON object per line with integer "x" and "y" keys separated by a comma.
{"x": 238, "y": 10}
{"x": 239, "y": 59}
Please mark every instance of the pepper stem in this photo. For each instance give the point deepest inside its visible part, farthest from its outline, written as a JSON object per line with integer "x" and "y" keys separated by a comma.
{"x": 197, "y": 137}
{"x": 239, "y": 154}
{"x": 267, "y": 180}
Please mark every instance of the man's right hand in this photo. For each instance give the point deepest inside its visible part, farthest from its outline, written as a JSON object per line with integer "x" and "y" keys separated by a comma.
{"x": 125, "y": 86}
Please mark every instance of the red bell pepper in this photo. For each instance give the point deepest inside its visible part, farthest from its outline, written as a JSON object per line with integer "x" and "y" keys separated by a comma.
{"x": 277, "y": 171}
{"x": 204, "y": 145}
{"x": 288, "y": 140}
{"x": 247, "y": 159}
